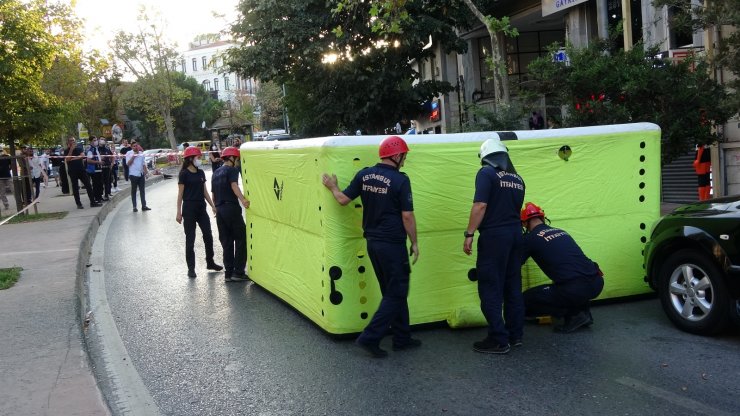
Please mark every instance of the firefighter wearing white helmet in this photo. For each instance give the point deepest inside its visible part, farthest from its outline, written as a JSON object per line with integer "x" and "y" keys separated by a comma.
{"x": 499, "y": 194}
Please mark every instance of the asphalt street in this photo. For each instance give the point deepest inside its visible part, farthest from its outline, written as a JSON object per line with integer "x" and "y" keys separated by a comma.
{"x": 204, "y": 347}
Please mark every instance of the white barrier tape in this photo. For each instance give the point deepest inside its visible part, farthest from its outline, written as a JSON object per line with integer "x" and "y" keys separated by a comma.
{"x": 34, "y": 202}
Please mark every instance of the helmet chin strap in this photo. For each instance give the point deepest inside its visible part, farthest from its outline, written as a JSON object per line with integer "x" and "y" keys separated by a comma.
{"x": 397, "y": 164}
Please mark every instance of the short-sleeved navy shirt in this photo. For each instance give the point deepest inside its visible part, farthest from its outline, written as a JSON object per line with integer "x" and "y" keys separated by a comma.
{"x": 5, "y": 164}
{"x": 557, "y": 254}
{"x": 504, "y": 194}
{"x": 385, "y": 193}
{"x": 193, "y": 182}
{"x": 221, "y": 185}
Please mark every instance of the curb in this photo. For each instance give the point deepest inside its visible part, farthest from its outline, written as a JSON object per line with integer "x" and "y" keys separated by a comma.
{"x": 81, "y": 284}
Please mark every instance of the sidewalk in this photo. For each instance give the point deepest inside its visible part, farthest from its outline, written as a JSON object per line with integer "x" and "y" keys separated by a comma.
{"x": 44, "y": 368}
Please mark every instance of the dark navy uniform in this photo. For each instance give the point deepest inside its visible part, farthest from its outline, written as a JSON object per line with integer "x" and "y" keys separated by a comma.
{"x": 576, "y": 279}
{"x": 107, "y": 158}
{"x": 232, "y": 232}
{"x": 76, "y": 172}
{"x": 386, "y": 193}
{"x": 499, "y": 253}
{"x": 194, "y": 212}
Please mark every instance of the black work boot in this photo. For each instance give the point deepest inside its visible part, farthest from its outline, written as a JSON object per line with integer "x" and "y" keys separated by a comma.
{"x": 372, "y": 349}
{"x": 574, "y": 322}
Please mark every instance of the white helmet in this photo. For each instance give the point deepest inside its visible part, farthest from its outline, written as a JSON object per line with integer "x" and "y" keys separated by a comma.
{"x": 491, "y": 146}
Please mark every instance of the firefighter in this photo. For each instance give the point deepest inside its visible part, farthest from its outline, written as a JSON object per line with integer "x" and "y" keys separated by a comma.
{"x": 575, "y": 278}
{"x": 387, "y": 220}
{"x": 499, "y": 194}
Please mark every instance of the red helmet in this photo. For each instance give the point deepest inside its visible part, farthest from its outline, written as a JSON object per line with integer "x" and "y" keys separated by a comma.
{"x": 192, "y": 151}
{"x": 530, "y": 211}
{"x": 392, "y": 146}
{"x": 230, "y": 151}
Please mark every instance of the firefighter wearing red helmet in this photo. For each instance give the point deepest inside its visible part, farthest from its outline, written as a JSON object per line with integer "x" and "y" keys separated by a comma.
{"x": 575, "y": 278}
{"x": 499, "y": 194}
{"x": 232, "y": 232}
{"x": 387, "y": 220}
{"x": 192, "y": 196}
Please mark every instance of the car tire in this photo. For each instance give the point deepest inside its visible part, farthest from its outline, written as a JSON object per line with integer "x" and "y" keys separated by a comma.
{"x": 735, "y": 312}
{"x": 693, "y": 294}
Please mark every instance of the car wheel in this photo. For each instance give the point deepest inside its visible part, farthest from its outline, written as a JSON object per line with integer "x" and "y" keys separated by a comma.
{"x": 693, "y": 294}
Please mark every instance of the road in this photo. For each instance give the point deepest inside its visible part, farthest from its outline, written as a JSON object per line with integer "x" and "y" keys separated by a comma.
{"x": 204, "y": 347}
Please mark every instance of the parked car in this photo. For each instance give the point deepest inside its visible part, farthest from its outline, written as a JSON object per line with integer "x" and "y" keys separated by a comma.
{"x": 151, "y": 157}
{"x": 693, "y": 261}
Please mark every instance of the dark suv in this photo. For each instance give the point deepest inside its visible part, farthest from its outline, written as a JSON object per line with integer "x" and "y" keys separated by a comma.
{"x": 693, "y": 261}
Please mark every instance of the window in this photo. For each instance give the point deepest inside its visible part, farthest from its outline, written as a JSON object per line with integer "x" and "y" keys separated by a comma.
{"x": 195, "y": 65}
{"x": 215, "y": 84}
{"x": 527, "y": 47}
{"x": 205, "y": 63}
{"x": 226, "y": 83}
{"x": 207, "y": 85}
{"x": 238, "y": 83}
{"x": 183, "y": 66}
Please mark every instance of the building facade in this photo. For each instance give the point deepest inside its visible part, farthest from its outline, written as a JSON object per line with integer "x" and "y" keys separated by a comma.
{"x": 204, "y": 61}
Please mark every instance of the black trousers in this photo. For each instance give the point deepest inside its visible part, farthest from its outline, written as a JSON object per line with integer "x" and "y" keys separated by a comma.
{"x": 391, "y": 264}
{"x": 138, "y": 182}
{"x": 232, "y": 233}
{"x": 97, "y": 185}
{"x": 562, "y": 299}
{"x": 81, "y": 176}
{"x": 125, "y": 170}
{"x": 63, "y": 178}
{"x": 193, "y": 214}
{"x": 106, "y": 180}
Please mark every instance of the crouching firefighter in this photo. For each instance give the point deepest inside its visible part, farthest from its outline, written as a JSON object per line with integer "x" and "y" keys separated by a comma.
{"x": 576, "y": 279}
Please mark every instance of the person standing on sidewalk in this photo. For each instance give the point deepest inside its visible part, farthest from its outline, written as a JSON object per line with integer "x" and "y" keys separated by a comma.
{"x": 114, "y": 167}
{"x": 125, "y": 148}
{"x": 95, "y": 169}
{"x": 107, "y": 158}
{"x": 137, "y": 172}
{"x": 76, "y": 171}
{"x": 576, "y": 278}
{"x": 387, "y": 219}
{"x": 232, "y": 232}
{"x": 38, "y": 171}
{"x": 192, "y": 196}
{"x": 499, "y": 194}
{"x": 5, "y": 177}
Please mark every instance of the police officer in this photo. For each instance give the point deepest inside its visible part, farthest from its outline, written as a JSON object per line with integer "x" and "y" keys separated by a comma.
{"x": 107, "y": 158}
{"x": 387, "y": 220}
{"x": 95, "y": 169}
{"x": 576, "y": 279}
{"x": 232, "y": 233}
{"x": 76, "y": 171}
{"x": 499, "y": 194}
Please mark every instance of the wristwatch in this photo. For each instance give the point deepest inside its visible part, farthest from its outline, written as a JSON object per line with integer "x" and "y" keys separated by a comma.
{"x": 467, "y": 234}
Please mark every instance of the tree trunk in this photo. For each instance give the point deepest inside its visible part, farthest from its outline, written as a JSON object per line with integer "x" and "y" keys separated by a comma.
{"x": 169, "y": 128}
{"x": 500, "y": 75}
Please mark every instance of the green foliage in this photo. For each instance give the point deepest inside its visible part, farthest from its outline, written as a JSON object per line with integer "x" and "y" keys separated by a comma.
{"x": 9, "y": 276}
{"x": 38, "y": 49}
{"x": 196, "y": 109}
{"x": 270, "y": 101}
{"x": 634, "y": 86}
{"x": 370, "y": 85}
{"x": 505, "y": 118}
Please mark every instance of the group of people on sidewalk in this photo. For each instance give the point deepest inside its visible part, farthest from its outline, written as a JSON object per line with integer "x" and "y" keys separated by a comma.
{"x": 225, "y": 199}
{"x": 497, "y": 215}
{"x": 97, "y": 169}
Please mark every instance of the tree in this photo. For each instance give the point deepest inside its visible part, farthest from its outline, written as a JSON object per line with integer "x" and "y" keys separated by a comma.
{"x": 149, "y": 57}
{"x": 196, "y": 109}
{"x": 269, "y": 98}
{"x": 389, "y": 16}
{"x": 633, "y": 86}
{"x": 371, "y": 79}
{"x": 38, "y": 41}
